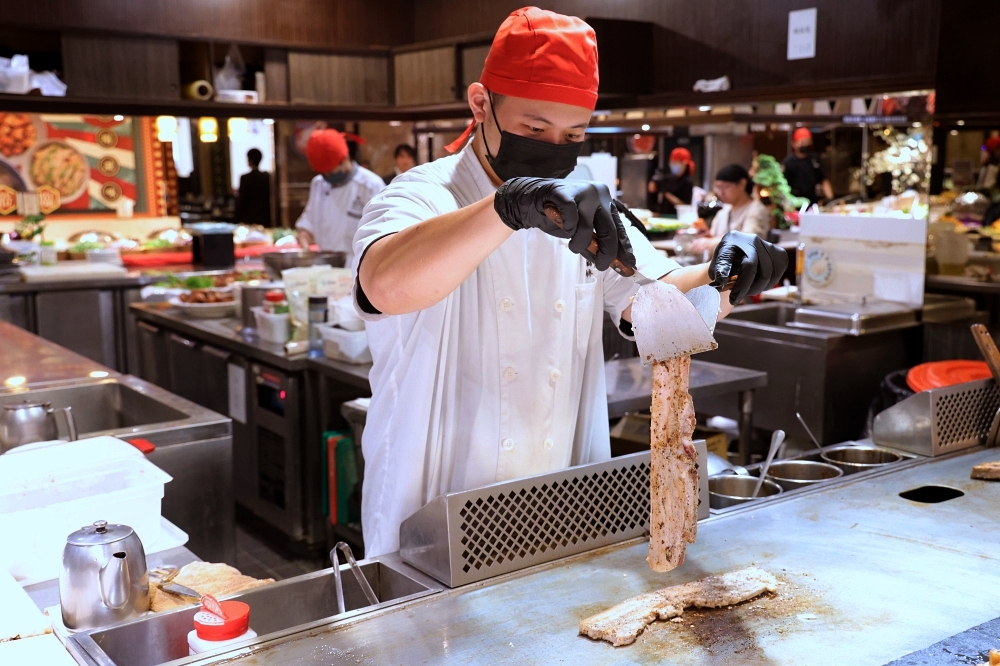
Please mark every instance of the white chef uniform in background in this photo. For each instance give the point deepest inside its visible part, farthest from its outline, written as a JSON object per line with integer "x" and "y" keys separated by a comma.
{"x": 497, "y": 381}
{"x": 332, "y": 213}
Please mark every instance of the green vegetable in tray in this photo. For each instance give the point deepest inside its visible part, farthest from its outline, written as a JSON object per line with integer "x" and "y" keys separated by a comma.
{"x": 157, "y": 244}
{"x": 199, "y": 282}
{"x": 84, "y": 246}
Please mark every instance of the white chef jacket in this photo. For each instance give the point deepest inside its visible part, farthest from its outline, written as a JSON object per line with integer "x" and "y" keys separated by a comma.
{"x": 332, "y": 213}
{"x": 502, "y": 379}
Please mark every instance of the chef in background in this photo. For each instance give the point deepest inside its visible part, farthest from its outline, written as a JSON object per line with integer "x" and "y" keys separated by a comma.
{"x": 484, "y": 317}
{"x": 337, "y": 196}
{"x": 802, "y": 169}
{"x": 405, "y": 158}
{"x": 734, "y": 187}
{"x": 676, "y": 187}
{"x": 253, "y": 202}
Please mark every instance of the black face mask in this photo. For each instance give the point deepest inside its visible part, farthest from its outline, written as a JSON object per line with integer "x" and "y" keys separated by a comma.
{"x": 339, "y": 178}
{"x": 522, "y": 156}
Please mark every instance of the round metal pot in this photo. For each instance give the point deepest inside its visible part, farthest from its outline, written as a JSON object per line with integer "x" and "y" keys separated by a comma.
{"x": 853, "y": 459}
{"x": 275, "y": 262}
{"x": 728, "y": 490}
{"x": 793, "y": 474}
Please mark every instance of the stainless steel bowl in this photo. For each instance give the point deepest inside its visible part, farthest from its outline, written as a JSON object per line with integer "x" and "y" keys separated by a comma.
{"x": 728, "y": 490}
{"x": 275, "y": 262}
{"x": 794, "y": 474}
{"x": 853, "y": 459}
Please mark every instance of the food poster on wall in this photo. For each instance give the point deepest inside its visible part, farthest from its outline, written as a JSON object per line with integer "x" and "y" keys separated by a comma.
{"x": 75, "y": 163}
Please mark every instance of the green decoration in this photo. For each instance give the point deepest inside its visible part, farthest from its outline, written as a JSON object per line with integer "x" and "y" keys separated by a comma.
{"x": 769, "y": 176}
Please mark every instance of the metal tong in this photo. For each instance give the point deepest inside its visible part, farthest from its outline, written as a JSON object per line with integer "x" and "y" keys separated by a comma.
{"x": 362, "y": 581}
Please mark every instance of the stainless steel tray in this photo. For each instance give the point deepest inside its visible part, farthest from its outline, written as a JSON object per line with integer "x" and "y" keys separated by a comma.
{"x": 856, "y": 318}
{"x": 939, "y": 421}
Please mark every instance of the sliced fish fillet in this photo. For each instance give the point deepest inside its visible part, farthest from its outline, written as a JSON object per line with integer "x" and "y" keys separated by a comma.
{"x": 622, "y": 624}
{"x": 673, "y": 474}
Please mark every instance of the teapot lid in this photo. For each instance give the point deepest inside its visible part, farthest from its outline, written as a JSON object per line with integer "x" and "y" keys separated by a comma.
{"x": 99, "y": 533}
{"x": 26, "y": 404}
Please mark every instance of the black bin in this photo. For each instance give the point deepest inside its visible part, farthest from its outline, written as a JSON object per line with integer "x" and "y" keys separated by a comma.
{"x": 212, "y": 244}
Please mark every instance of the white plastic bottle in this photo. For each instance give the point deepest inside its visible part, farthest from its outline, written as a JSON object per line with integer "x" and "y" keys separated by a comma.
{"x": 212, "y": 631}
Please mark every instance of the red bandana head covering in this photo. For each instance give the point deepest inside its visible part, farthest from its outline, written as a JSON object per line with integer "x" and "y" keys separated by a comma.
{"x": 538, "y": 54}
{"x": 327, "y": 148}
{"x": 683, "y": 155}
{"x": 802, "y": 133}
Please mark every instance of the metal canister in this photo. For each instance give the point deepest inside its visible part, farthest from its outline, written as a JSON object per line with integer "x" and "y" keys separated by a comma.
{"x": 317, "y": 315}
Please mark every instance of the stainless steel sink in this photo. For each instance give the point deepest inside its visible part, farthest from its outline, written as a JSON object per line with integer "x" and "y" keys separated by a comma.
{"x": 104, "y": 407}
{"x": 770, "y": 314}
{"x": 295, "y": 604}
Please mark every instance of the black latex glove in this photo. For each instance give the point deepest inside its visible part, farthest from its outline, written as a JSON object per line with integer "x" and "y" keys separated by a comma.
{"x": 584, "y": 211}
{"x": 758, "y": 264}
{"x": 618, "y": 210}
{"x": 630, "y": 216}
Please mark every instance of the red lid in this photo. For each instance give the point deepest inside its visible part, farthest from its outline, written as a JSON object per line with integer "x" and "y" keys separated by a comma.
{"x": 210, "y": 626}
{"x": 945, "y": 373}
{"x": 274, "y": 296}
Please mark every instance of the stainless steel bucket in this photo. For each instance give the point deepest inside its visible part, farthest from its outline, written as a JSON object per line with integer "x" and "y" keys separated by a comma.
{"x": 251, "y": 296}
{"x": 727, "y": 490}
{"x": 853, "y": 459}
{"x": 794, "y": 474}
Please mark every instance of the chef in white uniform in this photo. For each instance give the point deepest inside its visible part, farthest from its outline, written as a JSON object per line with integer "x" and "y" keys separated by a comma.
{"x": 484, "y": 318}
{"x": 337, "y": 196}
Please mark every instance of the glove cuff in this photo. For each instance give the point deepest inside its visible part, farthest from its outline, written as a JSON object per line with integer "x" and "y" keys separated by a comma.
{"x": 503, "y": 207}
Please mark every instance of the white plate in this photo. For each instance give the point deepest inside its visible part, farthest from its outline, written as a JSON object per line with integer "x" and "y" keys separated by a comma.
{"x": 205, "y": 310}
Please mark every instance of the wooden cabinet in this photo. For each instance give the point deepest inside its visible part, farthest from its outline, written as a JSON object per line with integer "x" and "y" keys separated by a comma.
{"x": 473, "y": 60}
{"x": 426, "y": 77}
{"x": 316, "y": 78}
{"x": 121, "y": 67}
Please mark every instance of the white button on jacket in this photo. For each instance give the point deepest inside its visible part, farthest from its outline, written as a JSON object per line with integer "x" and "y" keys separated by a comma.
{"x": 441, "y": 397}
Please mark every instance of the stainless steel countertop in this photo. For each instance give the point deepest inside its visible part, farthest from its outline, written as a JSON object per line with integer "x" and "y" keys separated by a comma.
{"x": 866, "y": 577}
{"x": 630, "y": 383}
{"x": 126, "y": 281}
{"x": 23, "y": 354}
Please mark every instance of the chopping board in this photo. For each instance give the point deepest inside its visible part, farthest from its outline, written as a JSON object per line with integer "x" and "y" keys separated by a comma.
{"x": 72, "y": 270}
{"x": 19, "y": 616}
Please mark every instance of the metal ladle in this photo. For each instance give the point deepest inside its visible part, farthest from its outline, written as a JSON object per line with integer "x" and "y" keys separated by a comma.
{"x": 776, "y": 440}
{"x": 356, "y": 570}
{"x": 809, "y": 432}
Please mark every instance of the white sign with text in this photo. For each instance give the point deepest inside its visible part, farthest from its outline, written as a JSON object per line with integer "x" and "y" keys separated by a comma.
{"x": 802, "y": 34}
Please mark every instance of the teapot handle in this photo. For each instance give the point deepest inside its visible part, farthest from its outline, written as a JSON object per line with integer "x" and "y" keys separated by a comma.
{"x": 115, "y": 582}
{"x": 67, "y": 413}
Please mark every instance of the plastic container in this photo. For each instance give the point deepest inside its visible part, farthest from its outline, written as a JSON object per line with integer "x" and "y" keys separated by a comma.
{"x": 212, "y": 632}
{"x": 271, "y": 327}
{"x": 49, "y": 491}
{"x": 341, "y": 345}
{"x": 48, "y": 255}
{"x": 275, "y": 302}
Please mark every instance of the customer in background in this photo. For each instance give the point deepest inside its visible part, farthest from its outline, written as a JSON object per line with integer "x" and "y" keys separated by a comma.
{"x": 734, "y": 187}
{"x": 676, "y": 187}
{"x": 253, "y": 202}
{"x": 337, "y": 196}
{"x": 405, "y": 157}
{"x": 802, "y": 169}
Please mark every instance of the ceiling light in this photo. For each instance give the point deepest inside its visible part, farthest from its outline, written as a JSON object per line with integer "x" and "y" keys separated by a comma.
{"x": 645, "y": 128}
{"x": 960, "y": 123}
{"x": 704, "y": 108}
{"x": 119, "y": 118}
{"x": 916, "y": 124}
{"x": 268, "y": 121}
{"x": 238, "y": 126}
{"x": 953, "y": 132}
{"x": 99, "y": 374}
{"x": 394, "y": 123}
{"x": 208, "y": 130}
{"x": 16, "y": 380}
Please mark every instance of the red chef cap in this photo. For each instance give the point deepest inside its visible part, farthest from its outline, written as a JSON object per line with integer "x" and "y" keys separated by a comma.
{"x": 683, "y": 155}
{"x": 327, "y": 148}
{"x": 802, "y": 133}
{"x": 538, "y": 54}
{"x": 992, "y": 143}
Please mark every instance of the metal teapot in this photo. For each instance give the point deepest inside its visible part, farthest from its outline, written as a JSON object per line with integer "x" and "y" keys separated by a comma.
{"x": 27, "y": 422}
{"x": 104, "y": 578}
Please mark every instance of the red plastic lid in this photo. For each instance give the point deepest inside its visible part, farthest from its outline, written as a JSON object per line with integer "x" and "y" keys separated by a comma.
{"x": 274, "y": 296}
{"x": 211, "y": 626}
{"x": 945, "y": 373}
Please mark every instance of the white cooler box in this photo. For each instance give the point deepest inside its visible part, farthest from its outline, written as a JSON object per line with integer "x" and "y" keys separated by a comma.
{"x": 48, "y": 491}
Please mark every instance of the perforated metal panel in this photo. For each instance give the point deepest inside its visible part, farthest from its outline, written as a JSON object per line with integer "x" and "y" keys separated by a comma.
{"x": 549, "y": 517}
{"x": 473, "y": 535}
{"x": 939, "y": 421}
{"x": 964, "y": 415}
